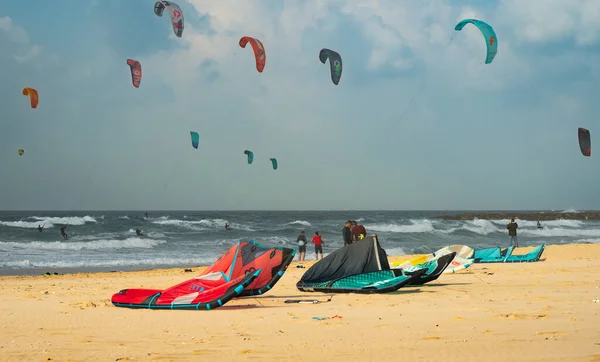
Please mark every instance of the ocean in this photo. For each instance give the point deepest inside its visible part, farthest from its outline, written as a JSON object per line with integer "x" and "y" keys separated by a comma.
{"x": 101, "y": 240}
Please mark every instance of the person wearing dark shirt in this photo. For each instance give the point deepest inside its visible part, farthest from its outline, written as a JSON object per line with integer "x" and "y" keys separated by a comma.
{"x": 358, "y": 231}
{"x": 512, "y": 232}
{"x": 301, "y": 240}
{"x": 347, "y": 234}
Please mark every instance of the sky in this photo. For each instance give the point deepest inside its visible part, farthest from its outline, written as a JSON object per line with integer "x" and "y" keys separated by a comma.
{"x": 417, "y": 122}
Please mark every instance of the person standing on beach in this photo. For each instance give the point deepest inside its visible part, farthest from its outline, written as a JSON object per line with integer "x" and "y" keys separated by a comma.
{"x": 512, "y": 232}
{"x": 358, "y": 231}
{"x": 301, "y": 240}
{"x": 347, "y": 234}
{"x": 318, "y": 241}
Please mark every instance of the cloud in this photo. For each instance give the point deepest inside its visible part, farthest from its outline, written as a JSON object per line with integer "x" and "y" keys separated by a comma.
{"x": 23, "y": 50}
{"x": 545, "y": 21}
{"x": 417, "y": 121}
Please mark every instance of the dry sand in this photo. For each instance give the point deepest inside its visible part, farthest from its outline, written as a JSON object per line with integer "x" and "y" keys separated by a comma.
{"x": 540, "y": 311}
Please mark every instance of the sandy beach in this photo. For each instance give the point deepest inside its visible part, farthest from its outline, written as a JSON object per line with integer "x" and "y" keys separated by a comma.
{"x": 540, "y": 311}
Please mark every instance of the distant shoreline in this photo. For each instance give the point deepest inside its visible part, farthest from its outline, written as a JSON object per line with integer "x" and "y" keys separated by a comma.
{"x": 532, "y": 216}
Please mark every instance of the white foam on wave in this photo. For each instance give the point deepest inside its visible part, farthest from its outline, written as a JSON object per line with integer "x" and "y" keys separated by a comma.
{"x": 200, "y": 225}
{"x": 417, "y": 226}
{"x": 129, "y": 262}
{"x": 299, "y": 222}
{"x": 129, "y": 243}
{"x": 558, "y": 232}
{"x": 48, "y": 221}
{"x": 569, "y": 210}
{"x": 529, "y": 223}
{"x": 124, "y": 217}
{"x": 479, "y": 226}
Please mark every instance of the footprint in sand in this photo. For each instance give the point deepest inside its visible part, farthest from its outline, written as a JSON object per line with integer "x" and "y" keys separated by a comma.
{"x": 458, "y": 318}
{"x": 430, "y": 338}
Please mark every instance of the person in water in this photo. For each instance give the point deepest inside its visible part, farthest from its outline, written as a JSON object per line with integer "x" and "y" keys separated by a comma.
{"x": 138, "y": 231}
{"x": 358, "y": 231}
{"x": 227, "y": 226}
{"x": 63, "y": 233}
{"x": 347, "y": 234}
{"x": 318, "y": 241}
{"x": 512, "y": 232}
{"x": 301, "y": 240}
{"x": 539, "y": 225}
{"x": 40, "y": 228}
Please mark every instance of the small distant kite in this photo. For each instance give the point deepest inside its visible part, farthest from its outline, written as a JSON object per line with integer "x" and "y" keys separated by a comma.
{"x": 259, "y": 51}
{"x": 195, "y": 139}
{"x": 250, "y": 156}
{"x": 585, "y": 142}
{"x": 274, "y": 162}
{"x": 174, "y": 12}
{"x": 335, "y": 63}
{"x": 33, "y": 96}
{"x": 21, "y": 151}
{"x": 489, "y": 34}
{"x": 136, "y": 72}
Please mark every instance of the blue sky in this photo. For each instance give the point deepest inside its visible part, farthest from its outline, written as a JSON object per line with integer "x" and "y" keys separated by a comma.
{"x": 497, "y": 136}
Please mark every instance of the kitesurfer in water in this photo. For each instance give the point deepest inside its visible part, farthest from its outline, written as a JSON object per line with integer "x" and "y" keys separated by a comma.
{"x": 347, "y": 234}
{"x": 40, "y": 228}
{"x": 138, "y": 231}
{"x": 318, "y": 241}
{"x": 227, "y": 226}
{"x": 63, "y": 233}
{"x": 358, "y": 231}
{"x": 301, "y": 240}
{"x": 539, "y": 225}
{"x": 512, "y": 232}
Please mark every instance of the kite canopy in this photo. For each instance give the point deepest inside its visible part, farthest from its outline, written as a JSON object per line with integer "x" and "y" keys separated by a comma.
{"x": 250, "y": 156}
{"x": 361, "y": 257}
{"x": 246, "y": 268}
{"x": 274, "y": 162}
{"x": 259, "y": 51}
{"x": 205, "y": 292}
{"x": 33, "y": 96}
{"x": 136, "y": 72}
{"x": 585, "y": 142}
{"x": 174, "y": 12}
{"x": 195, "y": 139}
{"x": 489, "y": 34}
{"x": 21, "y": 151}
{"x": 246, "y": 257}
{"x": 335, "y": 63}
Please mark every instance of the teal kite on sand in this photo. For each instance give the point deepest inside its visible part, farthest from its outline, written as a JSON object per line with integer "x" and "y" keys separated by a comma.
{"x": 489, "y": 34}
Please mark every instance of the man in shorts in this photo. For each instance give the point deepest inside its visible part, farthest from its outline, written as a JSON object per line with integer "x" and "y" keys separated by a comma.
{"x": 318, "y": 245}
{"x": 301, "y": 240}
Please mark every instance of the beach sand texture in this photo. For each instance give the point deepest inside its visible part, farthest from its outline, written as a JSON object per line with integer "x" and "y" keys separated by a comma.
{"x": 540, "y": 311}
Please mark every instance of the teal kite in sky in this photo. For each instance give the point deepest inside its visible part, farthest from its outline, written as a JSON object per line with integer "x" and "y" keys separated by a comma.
{"x": 250, "y": 156}
{"x": 489, "y": 34}
{"x": 195, "y": 139}
{"x": 274, "y": 162}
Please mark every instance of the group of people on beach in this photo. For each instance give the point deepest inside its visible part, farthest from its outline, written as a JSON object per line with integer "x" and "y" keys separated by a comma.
{"x": 352, "y": 232}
